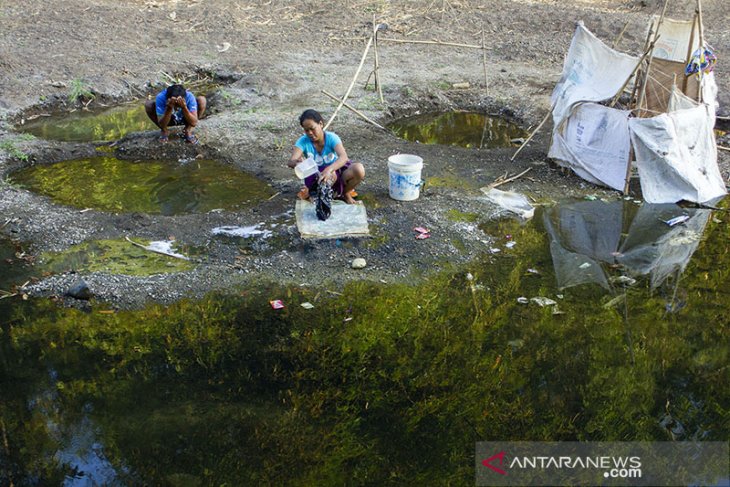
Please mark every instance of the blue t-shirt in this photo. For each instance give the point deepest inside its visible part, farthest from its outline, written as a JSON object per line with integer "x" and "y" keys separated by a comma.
{"x": 328, "y": 154}
{"x": 177, "y": 116}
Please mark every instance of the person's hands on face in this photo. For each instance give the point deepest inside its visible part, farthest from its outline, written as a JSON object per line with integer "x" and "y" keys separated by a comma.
{"x": 170, "y": 102}
{"x": 180, "y": 102}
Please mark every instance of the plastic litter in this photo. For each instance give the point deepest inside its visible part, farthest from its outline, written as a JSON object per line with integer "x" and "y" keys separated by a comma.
{"x": 523, "y": 300}
{"x": 276, "y": 304}
{"x": 509, "y": 245}
{"x": 543, "y": 301}
{"x": 676, "y": 220}
{"x": 421, "y": 230}
{"x": 533, "y": 271}
{"x": 422, "y": 236}
{"x": 514, "y": 202}
{"x": 584, "y": 265}
{"x": 307, "y": 305}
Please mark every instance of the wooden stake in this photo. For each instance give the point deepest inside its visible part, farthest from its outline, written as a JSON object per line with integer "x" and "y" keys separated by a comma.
{"x": 500, "y": 181}
{"x": 722, "y": 147}
{"x": 621, "y": 34}
{"x": 377, "y": 63}
{"x": 636, "y": 68}
{"x": 702, "y": 47}
{"x": 533, "y": 133}
{"x": 642, "y": 94}
{"x": 689, "y": 51}
{"x": 342, "y": 102}
{"x": 484, "y": 61}
{"x": 355, "y": 110}
{"x": 628, "y": 169}
{"x": 436, "y": 42}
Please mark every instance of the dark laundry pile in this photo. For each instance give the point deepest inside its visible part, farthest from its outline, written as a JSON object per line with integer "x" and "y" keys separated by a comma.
{"x": 324, "y": 200}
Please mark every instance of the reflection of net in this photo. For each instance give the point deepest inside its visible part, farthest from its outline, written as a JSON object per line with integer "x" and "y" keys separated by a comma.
{"x": 324, "y": 200}
{"x": 662, "y": 76}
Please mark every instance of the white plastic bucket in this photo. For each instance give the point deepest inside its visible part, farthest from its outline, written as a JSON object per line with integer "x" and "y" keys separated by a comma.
{"x": 306, "y": 168}
{"x": 405, "y": 176}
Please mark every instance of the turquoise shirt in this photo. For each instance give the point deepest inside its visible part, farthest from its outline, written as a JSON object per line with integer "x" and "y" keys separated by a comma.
{"x": 328, "y": 154}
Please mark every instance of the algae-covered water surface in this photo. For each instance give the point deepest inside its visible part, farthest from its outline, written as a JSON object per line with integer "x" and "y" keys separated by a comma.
{"x": 166, "y": 187}
{"x": 466, "y": 129}
{"x": 385, "y": 384}
{"x": 85, "y": 126}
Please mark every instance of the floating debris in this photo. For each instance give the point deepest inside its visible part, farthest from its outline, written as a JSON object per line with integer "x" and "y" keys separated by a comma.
{"x": 543, "y": 301}
{"x": 676, "y": 220}
{"x": 277, "y": 304}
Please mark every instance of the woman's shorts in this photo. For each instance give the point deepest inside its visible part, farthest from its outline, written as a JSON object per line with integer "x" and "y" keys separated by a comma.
{"x": 339, "y": 186}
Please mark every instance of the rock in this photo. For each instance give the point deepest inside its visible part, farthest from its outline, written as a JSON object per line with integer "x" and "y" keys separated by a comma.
{"x": 79, "y": 290}
{"x": 359, "y": 263}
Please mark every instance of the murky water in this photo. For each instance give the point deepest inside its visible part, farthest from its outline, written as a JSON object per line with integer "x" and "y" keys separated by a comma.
{"x": 85, "y": 126}
{"x": 166, "y": 187}
{"x": 385, "y": 384}
{"x": 458, "y": 128}
{"x": 14, "y": 265}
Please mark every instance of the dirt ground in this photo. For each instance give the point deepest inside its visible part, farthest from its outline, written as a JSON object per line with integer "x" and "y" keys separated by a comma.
{"x": 275, "y": 57}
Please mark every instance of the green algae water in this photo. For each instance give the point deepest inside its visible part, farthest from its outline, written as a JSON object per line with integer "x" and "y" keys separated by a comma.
{"x": 465, "y": 129}
{"x": 84, "y": 126}
{"x": 165, "y": 187}
{"x": 385, "y": 384}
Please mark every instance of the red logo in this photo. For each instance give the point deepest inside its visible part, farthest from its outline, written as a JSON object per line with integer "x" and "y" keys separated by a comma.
{"x": 488, "y": 463}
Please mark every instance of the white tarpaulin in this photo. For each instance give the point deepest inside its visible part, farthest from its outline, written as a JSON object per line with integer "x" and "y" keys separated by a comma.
{"x": 674, "y": 38}
{"x": 676, "y": 156}
{"x": 592, "y": 72}
{"x": 594, "y": 142}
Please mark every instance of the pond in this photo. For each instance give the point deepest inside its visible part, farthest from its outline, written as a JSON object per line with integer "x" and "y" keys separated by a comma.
{"x": 154, "y": 186}
{"x": 385, "y": 384}
{"x": 465, "y": 129}
{"x": 86, "y": 126}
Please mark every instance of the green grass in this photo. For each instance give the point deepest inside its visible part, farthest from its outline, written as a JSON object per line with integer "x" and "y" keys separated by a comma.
{"x": 79, "y": 91}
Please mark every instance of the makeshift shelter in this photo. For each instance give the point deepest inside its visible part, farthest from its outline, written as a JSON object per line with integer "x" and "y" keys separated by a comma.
{"x": 667, "y": 126}
{"x": 588, "y": 236}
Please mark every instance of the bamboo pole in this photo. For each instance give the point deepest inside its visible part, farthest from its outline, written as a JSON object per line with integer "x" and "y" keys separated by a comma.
{"x": 533, "y": 133}
{"x": 344, "y": 98}
{"x": 436, "y": 42}
{"x": 355, "y": 110}
{"x": 722, "y": 147}
{"x": 702, "y": 47}
{"x": 628, "y": 169}
{"x": 377, "y": 61}
{"x": 621, "y": 34}
{"x": 636, "y": 68}
{"x": 484, "y": 62}
{"x": 690, "y": 50}
{"x": 642, "y": 94}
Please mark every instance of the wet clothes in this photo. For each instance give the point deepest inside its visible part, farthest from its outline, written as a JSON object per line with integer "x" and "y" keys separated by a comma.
{"x": 323, "y": 205}
{"x": 338, "y": 187}
{"x": 328, "y": 154}
{"x": 177, "y": 117}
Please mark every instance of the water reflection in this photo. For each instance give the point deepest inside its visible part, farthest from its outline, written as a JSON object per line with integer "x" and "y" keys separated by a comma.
{"x": 464, "y": 129}
{"x": 596, "y": 242}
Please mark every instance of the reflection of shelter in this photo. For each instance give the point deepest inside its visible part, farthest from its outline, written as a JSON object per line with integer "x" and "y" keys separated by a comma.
{"x": 586, "y": 234}
{"x": 666, "y": 125}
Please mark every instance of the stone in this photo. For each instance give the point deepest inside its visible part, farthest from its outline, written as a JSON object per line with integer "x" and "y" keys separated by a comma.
{"x": 79, "y": 290}
{"x": 359, "y": 263}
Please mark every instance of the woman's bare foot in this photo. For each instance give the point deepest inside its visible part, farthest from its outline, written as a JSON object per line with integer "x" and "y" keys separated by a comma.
{"x": 347, "y": 198}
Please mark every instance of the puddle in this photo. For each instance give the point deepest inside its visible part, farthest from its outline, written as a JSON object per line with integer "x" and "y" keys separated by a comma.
{"x": 227, "y": 390}
{"x": 169, "y": 188}
{"x": 15, "y": 268}
{"x": 465, "y": 129}
{"x": 85, "y": 126}
{"x": 116, "y": 257}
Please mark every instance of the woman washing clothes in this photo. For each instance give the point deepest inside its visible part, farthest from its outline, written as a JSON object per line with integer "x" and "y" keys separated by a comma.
{"x": 335, "y": 168}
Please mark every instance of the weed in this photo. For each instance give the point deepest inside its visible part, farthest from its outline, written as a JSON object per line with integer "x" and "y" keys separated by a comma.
{"x": 13, "y": 151}
{"x": 79, "y": 91}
